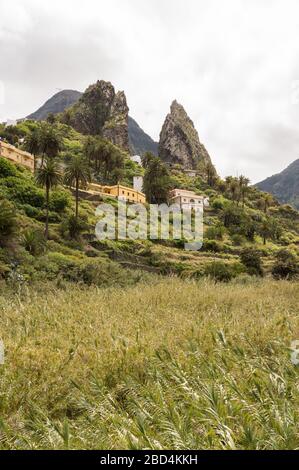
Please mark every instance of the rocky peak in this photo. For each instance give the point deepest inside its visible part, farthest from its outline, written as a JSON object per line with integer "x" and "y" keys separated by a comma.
{"x": 179, "y": 141}
{"x": 101, "y": 111}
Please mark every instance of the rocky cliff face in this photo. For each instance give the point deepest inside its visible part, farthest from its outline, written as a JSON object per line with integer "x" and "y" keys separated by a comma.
{"x": 101, "y": 111}
{"x": 179, "y": 141}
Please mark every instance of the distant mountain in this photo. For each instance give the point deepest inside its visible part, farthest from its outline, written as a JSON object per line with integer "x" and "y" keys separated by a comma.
{"x": 284, "y": 186}
{"x": 57, "y": 104}
{"x": 140, "y": 142}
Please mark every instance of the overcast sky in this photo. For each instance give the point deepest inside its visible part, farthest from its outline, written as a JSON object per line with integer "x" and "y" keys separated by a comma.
{"x": 233, "y": 64}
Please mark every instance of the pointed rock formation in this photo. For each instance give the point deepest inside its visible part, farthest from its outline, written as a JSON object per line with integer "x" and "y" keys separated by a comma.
{"x": 101, "y": 111}
{"x": 179, "y": 141}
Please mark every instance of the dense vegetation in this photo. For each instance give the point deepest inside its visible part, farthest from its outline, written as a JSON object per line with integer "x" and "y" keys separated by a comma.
{"x": 85, "y": 368}
{"x": 246, "y": 231}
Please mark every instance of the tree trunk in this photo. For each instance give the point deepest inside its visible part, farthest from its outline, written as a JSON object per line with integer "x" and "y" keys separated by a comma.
{"x": 47, "y": 212}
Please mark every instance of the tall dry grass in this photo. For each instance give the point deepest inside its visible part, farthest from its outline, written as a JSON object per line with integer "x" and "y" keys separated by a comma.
{"x": 175, "y": 364}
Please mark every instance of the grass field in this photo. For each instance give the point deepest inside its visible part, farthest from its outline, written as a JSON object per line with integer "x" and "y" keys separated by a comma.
{"x": 173, "y": 364}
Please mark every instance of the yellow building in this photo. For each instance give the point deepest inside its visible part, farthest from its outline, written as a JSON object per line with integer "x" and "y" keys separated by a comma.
{"x": 16, "y": 155}
{"x": 120, "y": 192}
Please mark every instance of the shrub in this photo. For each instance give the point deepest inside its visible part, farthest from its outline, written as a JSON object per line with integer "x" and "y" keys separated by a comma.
{"x": 220, "y": 272}
{"x": 8, "y": 220}
{"x": 7, "y": 168}
{"x": 73, "y": 227}
{"x": 31, "y": 211}
{"x": 219, "y": 203}
{"x": 23, "y": 191}
{"x": 212, "y": 245}
{"x": 215, "y": 232}
{"x": 252, "y": 261}
{"x": 33, "y": 241}
{"x": 59, "y": 201}
{"x": 286, "y": 265}
{"x": 237, "y": 239}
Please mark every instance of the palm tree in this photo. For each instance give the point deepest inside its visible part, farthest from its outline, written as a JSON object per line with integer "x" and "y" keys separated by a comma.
{"x": 265, "y": 231}
{"x": 210, "y": 174}
{"x": 48, "y": 176}
{"x": 32, "y": 144}
{"x": 234, "y": 188}
{"x": 77, "y": 173}
{"x": 267, "y": 202}
{"x": 243, "y": 183}
{"x": 89, "y": 148}
{"x": 50, "y": 141}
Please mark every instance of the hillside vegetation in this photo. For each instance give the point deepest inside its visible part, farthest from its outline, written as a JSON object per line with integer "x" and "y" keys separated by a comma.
{"x": 246, "y": 232}
{"x": 84, "y": 365}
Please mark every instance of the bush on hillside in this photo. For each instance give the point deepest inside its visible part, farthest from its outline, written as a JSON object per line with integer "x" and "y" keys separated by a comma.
{"x": 286, "y": 265}
{"x": 23, "y": 191}
{"x": 59, "y": 200}
{"x": 8, "y": 221}
{"x": 7, "y": 168}
{"x": 252, "y": 261}
{"x": 33, "y": 241}
{"x": 73, "y": 227}
{"x": 222, "y": 272}
{"x": 212, "y": 245}
{"x": 215, "y": 232}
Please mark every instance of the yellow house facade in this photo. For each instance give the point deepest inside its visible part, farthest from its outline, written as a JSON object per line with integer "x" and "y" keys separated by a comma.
{"x": 120, "y": 192}
{"x": 16, "y": 155}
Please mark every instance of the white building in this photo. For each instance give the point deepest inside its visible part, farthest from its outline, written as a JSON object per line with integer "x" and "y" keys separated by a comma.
{"x": 188, "y": 199}
{"x": 138, "y": 183}
{"x": 137, "y": 159}
{"x": 11, "y": 122}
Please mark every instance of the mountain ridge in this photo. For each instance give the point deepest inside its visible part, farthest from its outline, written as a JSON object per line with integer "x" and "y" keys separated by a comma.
{"x": 284, "y": 185}
{"x": 139, "y": 141}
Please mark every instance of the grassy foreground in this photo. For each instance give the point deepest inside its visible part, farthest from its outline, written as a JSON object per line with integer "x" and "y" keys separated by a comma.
{"x": 176, "y": 364}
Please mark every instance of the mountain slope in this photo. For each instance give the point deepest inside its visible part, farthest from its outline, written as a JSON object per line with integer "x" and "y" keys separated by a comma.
{"x": 140, "y": 142}
{"x": 284, "y": 186}
{"x": 57, "y": 104}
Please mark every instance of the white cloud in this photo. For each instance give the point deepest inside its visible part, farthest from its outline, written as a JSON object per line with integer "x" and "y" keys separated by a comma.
{"x": 231, "y": 64}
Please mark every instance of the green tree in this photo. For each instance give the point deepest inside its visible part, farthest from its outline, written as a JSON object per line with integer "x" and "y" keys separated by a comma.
{"x": 233, "y": 188}
{"x": 267, "y": 201}
{"x": 157, "y": 181}
{"x": 48, "y": 176}
{"x": 210, "y": 174}
{"x": 77, "y": 174}
{"x": 244, "y": 187}
{"x": 50, "y": 141}
{"x": 32, "y": 144}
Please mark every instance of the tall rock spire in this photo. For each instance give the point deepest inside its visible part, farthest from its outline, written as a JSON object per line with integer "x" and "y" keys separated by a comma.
{"x": 179, "y": 141}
